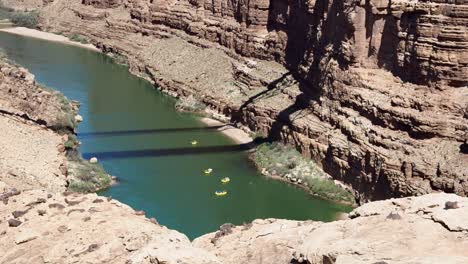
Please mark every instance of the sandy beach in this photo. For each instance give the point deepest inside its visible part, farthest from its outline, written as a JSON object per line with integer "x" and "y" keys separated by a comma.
{"x": 47, "y": 36}
{"x": 238, "y": 135}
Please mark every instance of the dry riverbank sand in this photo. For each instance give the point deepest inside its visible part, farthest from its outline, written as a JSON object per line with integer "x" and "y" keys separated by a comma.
{"x": 33, "y": 33}
{"x": 236, "y": 134}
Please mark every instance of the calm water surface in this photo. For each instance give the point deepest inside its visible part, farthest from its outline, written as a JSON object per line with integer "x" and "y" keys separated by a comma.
{"x": 139, "y": 137}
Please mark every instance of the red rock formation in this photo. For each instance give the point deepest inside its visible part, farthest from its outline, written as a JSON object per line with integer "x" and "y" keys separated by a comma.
{"x": 423, "y": 42}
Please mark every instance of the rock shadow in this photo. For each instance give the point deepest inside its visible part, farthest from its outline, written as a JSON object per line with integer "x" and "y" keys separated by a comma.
{"x": 148, "y": 131}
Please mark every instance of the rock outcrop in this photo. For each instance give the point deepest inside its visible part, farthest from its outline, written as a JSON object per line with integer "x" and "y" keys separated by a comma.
{"x": 21, "y": 96}
{"x": 75, "y": 228}
{"x": 31, "y": 115}
{"x": 410, "y": 230}
{"x": 374, "y": 91}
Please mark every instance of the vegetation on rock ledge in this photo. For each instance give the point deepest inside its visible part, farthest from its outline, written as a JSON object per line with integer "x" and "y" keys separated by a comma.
{"x": 280, "y": 160}
{"x": 79, "y": 38}
{"x": 86, "y": 177}
{"x": 29, "y": 19}
{"x": 190, "y": 104}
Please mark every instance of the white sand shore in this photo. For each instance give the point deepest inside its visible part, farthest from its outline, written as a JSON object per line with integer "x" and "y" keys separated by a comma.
{"x": 234, "y": 133}
{"x": 46, "y": 36}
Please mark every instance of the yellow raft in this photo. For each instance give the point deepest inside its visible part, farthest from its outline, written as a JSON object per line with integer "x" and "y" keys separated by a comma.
{"x": 194, "y": 143}
{"x": 208, "y": 171}
{"x": 221, "y": 193}
{"x": 225, "y": 180}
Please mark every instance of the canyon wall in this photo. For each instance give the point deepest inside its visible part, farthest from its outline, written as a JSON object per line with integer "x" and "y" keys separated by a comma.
{"x": 420, "y": 41}
{"x": 374, "y": 91}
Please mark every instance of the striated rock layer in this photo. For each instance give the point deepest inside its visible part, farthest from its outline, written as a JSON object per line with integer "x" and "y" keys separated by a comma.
{"x": 374, "y": 91}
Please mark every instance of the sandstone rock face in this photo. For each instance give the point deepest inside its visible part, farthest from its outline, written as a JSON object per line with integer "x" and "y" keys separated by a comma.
{"x": 87, "y": 229}
{"x": 29, "y": 168}
{"x": 393, "y": 231}
{"x": 374, "y": 91}
{"x": 424, "y": 42}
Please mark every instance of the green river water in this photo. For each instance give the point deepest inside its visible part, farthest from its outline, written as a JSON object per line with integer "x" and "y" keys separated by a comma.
{"x": 135, "y": 132}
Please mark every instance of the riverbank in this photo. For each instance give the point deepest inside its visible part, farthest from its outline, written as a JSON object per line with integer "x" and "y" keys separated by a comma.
{"x": 34, "y": 33}
{"x": 234, "y": 133}
{"x": 46, "y": 119}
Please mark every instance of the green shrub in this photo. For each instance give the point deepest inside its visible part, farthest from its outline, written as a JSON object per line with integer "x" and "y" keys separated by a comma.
{"x": 284, "y": 161}
{"x": 81, "y": 187}
{"x": 190, "y": 104}
{"x": 328, "y": 189}
{"x": 79, "y": 38}
{"x": 71, "y": 143}
{"x": 25, "y": 19}
{"x": 120, "y": 59}
{"x": 86, "y": 177}
{"x": 89, "y": 178}
{"x": 66, "y": 120}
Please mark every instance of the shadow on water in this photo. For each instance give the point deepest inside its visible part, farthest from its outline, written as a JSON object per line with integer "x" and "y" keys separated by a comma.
{"x": 106, "y": 155}
{"x": 149, "y": 131}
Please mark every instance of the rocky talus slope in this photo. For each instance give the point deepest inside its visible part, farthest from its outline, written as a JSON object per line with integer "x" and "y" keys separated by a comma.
{"x": 374, "y": 91}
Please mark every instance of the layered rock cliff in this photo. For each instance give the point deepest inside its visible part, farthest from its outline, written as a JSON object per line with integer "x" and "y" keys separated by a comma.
{"x": 374, "y": 91}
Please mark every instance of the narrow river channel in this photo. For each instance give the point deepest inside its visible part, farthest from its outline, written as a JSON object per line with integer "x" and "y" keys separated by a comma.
{"x": 138, "y": 136}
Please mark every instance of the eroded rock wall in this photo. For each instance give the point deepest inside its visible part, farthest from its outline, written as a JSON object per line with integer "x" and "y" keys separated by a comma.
{"x": 424, "y": 42}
